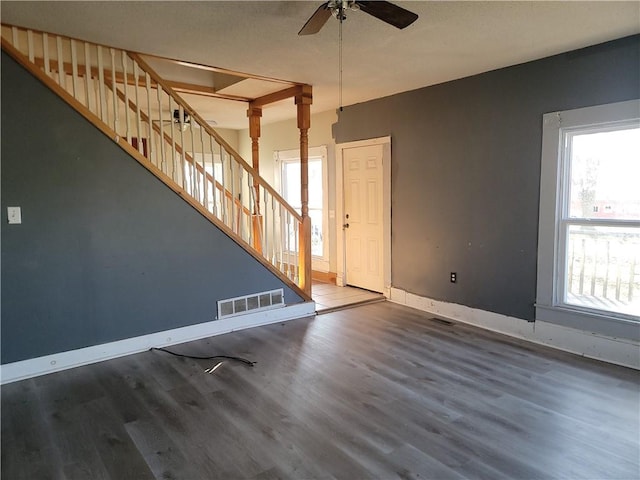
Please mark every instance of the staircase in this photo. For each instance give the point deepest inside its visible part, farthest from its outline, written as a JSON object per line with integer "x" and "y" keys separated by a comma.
{"x": 128, "y": 101}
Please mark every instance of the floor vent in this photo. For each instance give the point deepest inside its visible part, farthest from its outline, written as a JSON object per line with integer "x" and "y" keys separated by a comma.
{"x": 443, "y": 322}
{"x": 256, "y": 302}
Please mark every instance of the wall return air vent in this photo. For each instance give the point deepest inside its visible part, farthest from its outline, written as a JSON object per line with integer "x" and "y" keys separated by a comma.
{"x": 256, "y": 302}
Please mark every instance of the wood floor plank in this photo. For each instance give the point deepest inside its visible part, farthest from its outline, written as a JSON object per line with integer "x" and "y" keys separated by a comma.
{"x": 375, "y": 392}
{"x": 116, "y": 449}
{"x": 73, "y": 442}
{"x": 159, "y": 451}
{"x": 268, "y": 432}
{"x": 26, "y": 447}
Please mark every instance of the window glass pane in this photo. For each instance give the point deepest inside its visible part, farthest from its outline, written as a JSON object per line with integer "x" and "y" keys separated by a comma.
{"x": 291, "y": 183}
{"x": 315, "y": 183}
{"x": 316, "y": 231}
{"x": 603, "y": 268}
{"x": 605, "y": 173}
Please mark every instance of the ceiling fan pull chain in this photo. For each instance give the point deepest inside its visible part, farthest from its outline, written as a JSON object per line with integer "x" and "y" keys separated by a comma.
{"x": 340, "y": 59}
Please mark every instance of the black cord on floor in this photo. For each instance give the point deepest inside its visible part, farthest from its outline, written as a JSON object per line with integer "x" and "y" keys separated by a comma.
{"x": 237, "y": 359}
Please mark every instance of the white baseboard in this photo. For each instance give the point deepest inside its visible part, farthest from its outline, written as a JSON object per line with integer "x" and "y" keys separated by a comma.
{"x": 609, "y": 349}
{"x": 33, "y": 367}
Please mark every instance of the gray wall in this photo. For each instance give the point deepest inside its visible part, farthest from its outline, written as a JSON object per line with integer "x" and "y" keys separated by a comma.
{"x": 466, "y": 170}
{"x": 105, "y": 250}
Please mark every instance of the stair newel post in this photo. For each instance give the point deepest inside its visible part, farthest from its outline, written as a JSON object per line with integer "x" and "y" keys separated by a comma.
{"x": 255, "y": 113}
{"x": 303, "y": 102}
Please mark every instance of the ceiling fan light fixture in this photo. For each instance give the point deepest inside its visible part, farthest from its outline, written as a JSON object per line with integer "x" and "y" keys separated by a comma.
{"x": 339, "y": 13}
{"x": 185, "y": 122}
{"x": 185, "y": 117}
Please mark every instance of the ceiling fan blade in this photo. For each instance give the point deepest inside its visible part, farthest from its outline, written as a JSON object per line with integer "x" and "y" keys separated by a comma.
{"x": 388, "y": 12}
{"x": 317, "y": 20}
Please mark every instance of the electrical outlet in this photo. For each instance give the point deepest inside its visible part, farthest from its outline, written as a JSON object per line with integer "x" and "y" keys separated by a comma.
{"x": 454, "y": 277}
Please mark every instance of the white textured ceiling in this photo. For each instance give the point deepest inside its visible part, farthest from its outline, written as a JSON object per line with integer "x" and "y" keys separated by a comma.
{"x": 450, "y": 40}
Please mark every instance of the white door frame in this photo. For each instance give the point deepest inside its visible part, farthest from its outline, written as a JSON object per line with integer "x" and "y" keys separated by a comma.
{"x": 341, "y": 279}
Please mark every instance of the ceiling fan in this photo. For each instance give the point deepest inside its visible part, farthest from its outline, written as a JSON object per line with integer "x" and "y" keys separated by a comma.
{"x": 169, "y": 117}
{"x": 385, "y": 11}
{"x": 184, "y": 122}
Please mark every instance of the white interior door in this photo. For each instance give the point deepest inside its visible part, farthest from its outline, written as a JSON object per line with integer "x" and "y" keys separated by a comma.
{"x": 363, "y": 217}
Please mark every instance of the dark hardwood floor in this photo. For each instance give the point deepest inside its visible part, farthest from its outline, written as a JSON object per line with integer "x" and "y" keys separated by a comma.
{"x": 380, "y": 391}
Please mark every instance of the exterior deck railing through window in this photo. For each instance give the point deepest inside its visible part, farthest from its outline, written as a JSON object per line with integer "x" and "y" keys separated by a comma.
{"x": 603, "y": 270}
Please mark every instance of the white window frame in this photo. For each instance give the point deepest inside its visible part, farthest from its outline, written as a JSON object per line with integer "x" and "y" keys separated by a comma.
{"x": 318, "y": 262}
{"x": 550, "y": 306}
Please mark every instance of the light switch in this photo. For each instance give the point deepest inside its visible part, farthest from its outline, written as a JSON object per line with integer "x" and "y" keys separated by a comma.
{"x": 14, "y": 215}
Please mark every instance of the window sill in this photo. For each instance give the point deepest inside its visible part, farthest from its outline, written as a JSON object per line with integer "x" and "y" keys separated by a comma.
{"x": 602, "y": 324}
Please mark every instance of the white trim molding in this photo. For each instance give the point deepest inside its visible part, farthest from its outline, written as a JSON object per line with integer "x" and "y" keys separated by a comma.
{"x": 619, "y": 351}
{"x": 33, "y": 367}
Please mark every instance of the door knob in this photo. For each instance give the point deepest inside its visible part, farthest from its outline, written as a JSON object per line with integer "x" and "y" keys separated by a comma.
{"x": 346, "y": 225}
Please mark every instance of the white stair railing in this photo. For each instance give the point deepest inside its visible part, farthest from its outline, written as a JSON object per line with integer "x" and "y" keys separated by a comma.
{"x": 132, "y": 103}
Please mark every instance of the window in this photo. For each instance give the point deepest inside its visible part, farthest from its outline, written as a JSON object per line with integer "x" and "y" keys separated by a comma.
{"x": 601, "y": 268}
{"x": 289, "y": 173}
{"x": 589, "y": 240}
